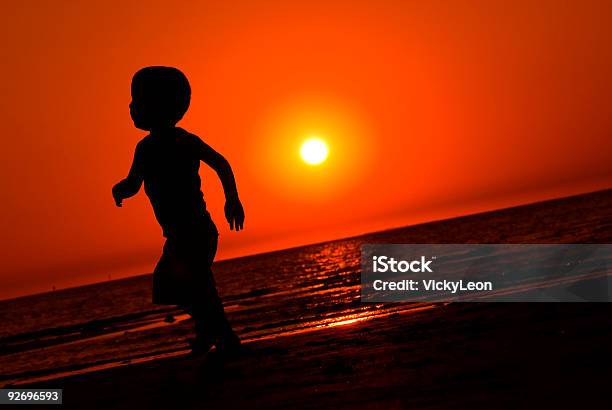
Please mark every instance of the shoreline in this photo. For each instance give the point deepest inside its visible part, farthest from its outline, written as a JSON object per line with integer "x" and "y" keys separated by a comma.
{"x": 465, "y": 354}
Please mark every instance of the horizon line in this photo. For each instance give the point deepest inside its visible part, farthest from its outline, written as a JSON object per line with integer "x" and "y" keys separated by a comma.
{"x": 376, "y": 232}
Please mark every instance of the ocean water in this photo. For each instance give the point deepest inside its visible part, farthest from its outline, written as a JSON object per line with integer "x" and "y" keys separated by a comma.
{"x": 115, "y": 323}
{"x": 269, "y": 295}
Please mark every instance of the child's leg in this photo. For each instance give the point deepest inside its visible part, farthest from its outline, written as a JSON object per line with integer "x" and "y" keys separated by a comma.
{"x": 209, "y": 315}
{"x": 210, "y": 320}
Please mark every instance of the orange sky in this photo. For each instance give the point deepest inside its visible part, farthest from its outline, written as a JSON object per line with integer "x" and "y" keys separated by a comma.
{"x": 430, "y": 110}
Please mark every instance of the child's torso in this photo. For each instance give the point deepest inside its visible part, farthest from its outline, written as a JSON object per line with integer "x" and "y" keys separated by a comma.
{"x": 170, "y": 168}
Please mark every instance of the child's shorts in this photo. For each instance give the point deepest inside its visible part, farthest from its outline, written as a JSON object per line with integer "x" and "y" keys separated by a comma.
{"x": 183, "y": 273}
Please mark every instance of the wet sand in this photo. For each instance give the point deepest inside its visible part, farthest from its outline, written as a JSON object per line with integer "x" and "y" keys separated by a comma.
{"x": 458, "y": 355}
{"x": 481, "y": 355}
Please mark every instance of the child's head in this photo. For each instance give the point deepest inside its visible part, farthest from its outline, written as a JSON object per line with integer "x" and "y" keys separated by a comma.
{"x": 160, "y": 97}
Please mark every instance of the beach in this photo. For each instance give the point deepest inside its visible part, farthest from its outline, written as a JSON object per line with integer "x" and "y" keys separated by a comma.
{"x": 455, "y": 356}
{"x": 310, "y": 342}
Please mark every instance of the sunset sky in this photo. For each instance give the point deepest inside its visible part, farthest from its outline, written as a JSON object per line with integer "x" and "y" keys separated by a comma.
{"x": 429, "y": 110}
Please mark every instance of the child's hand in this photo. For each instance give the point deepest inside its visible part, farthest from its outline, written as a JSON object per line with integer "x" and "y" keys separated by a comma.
{"x": 234, "y": 213}
{"x": 117, "y": 195}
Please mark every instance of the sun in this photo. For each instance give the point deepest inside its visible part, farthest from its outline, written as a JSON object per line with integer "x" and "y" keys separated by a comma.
{"x": 314, "y": 151}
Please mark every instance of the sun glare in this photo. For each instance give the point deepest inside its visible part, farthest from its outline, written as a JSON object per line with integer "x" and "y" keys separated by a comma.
{"x": 314, "y": 151}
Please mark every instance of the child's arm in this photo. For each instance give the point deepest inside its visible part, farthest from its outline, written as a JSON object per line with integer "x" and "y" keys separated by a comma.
{"x": 130, "y": 185}
{"x": 234, "y": 213}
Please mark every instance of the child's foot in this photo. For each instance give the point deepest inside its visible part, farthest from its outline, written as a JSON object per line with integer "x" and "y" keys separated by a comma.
{"x": 200, "y": 346}
{"x": 229, "y": 344}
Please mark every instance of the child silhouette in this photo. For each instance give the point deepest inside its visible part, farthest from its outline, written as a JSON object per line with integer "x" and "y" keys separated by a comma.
{"x": 167, "y": 161}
